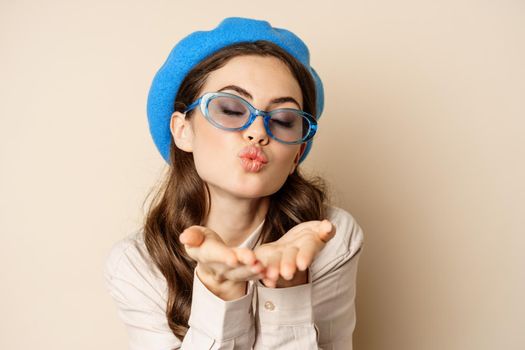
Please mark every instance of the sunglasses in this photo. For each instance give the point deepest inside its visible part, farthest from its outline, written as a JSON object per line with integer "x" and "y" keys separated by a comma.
{"x": 231, "y": 112}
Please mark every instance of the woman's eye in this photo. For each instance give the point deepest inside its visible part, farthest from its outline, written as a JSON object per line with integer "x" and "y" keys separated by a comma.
{"x": 284, "y": 120}
{"x": 283, "y": 123}
{"x": 232, "y": 112}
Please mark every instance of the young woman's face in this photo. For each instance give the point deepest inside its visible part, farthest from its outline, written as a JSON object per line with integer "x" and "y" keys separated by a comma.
{"x": 216, "y": 151}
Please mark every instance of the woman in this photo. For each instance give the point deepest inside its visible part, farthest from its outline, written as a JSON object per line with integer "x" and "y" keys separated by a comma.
{"x": 238, "y": 249}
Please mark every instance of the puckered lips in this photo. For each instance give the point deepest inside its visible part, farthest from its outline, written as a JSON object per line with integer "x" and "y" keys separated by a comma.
{"x": 252, "y": 158}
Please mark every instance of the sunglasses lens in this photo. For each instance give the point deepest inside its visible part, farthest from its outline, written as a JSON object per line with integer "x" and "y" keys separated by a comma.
{"x": 228, "y": 112}
{"x": 289, "y": 126}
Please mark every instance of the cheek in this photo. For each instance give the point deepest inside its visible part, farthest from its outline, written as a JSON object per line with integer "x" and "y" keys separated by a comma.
{"x": 285, "y": 154}
{"x": 211, "y": 150}
{"x": 276, "y": 178}
{"x": 207, "y": 151}
{"x": 283, "y": 162}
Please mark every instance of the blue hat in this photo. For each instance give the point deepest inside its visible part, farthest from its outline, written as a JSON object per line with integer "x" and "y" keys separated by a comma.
{"x": 200, "y": 44}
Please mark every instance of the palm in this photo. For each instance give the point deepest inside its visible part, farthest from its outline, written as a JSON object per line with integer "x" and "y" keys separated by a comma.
{"x": 216, "y": 259}
{"x": 295, "y": 250}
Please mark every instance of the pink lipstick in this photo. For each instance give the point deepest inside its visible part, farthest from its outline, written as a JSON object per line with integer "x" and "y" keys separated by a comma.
{"x": 252, "y": 158}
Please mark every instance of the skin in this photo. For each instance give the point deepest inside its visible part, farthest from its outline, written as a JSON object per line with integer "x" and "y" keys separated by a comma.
{"x": 240, "y": 199}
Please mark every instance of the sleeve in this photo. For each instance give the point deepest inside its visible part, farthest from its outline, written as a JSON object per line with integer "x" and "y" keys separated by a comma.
{"x": 334, "y": 304}
{"x": 320, "y": 314}
{"x": 139, "y": 303}
{"x": 214, "y": 324}
{"x": 218, "y": 324}
{"x": 285, "y": 318}
{"x": 334, "y": 289}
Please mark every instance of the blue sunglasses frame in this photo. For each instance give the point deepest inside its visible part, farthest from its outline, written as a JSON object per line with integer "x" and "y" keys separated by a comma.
{"x": 205, "y": 99}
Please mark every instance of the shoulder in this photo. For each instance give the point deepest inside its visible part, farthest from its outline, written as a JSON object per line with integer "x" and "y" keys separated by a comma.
{"x": 349, "y": 235}
{"x": 346, "y": 243}
{"x": 121, "y": 252}
{"x": 137, "y": 287}
{"x": 128, "y": 259}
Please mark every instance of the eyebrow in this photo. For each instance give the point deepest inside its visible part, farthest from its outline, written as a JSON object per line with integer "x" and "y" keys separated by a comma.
{"x": 246, "y": 94}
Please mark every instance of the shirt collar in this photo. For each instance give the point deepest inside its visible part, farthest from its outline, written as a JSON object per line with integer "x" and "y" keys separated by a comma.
{"x": 249, "y": 242}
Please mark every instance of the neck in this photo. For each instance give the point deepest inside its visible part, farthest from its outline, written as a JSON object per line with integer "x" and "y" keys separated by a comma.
{"x": 233, "y": 218}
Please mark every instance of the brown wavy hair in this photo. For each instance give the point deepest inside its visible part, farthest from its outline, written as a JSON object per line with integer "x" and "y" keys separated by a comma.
{"x": 182, "y": 197}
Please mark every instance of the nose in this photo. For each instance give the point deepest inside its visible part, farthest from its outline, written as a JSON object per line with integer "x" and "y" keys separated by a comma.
{"x": 256, "y": 131}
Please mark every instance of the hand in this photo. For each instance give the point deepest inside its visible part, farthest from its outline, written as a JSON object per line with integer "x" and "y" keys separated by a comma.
{"x": 223, "y": 270}
{"x": 291, "y": 255}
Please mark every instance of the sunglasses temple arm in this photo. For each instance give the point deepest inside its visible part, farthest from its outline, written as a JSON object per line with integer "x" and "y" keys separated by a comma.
{"x": 193, "y": 105}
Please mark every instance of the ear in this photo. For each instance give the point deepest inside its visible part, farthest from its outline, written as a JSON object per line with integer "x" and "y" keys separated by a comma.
{"x": 181, "y": 131}
{"x": 297, "y": 157}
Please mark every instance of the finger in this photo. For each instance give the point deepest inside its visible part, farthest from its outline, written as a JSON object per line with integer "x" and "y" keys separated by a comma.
{"x": 245, "y": 255}
{"x": 326, "y": 230}
{"x": 288, "y": 262}
{"x": 213, "y": 251}
{"x": 192, "y": 237}
{"x": 202, "y": 232}
{"x": 269, "y": 283}
{"x": 245, "y": 273}
{"x": 266, "y": 255}
{"x": 306, "y": 254}
{"x": 273, "y": 265}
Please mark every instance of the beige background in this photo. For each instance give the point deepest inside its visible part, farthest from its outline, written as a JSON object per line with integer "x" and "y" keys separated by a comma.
{"x": 421, "y": 140}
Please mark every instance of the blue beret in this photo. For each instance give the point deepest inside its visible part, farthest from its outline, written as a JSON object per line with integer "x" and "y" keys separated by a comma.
{"x": 198, "y": 45}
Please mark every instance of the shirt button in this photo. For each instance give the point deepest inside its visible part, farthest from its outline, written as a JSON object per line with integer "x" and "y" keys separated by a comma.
{"x": 269, "y": 305}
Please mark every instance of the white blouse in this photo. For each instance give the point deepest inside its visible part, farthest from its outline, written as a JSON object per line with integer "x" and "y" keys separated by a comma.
{"x": 317, "y": 315}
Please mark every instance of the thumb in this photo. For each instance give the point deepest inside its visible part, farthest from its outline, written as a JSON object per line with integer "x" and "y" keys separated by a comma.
{"x": 326, "y": 230}
{"x": 192, "y": 236}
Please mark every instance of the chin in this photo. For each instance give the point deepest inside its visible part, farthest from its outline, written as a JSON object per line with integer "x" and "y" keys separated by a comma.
{"x": 254, "y": 192}
{"x": 251, "y": 193}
